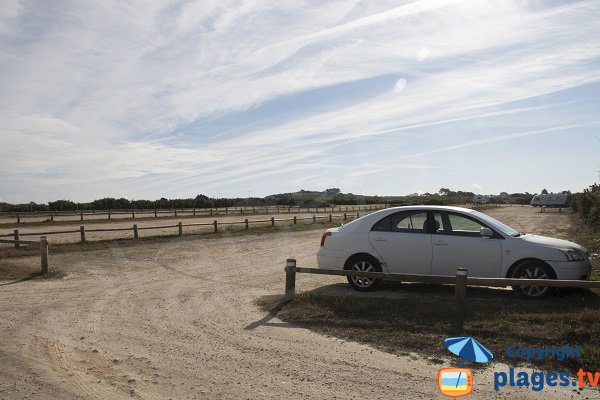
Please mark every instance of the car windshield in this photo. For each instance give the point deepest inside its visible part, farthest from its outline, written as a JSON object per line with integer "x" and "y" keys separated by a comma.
{"x": 495, "y": 224}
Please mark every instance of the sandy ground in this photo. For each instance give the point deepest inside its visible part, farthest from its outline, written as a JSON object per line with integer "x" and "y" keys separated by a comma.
{"x": 176, "y": 320}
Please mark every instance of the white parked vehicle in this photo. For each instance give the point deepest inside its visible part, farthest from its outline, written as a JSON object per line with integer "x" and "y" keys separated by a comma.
{"x": 436, "y": 240}
{"x": 549, "y": 200}
{"x": 480, "y": 199}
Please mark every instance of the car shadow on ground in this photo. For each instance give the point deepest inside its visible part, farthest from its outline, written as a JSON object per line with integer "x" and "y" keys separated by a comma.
{"x": 397, "y": 290}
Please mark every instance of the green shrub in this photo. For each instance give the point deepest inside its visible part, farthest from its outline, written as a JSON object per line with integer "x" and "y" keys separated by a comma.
{"x": 587, "y": 205}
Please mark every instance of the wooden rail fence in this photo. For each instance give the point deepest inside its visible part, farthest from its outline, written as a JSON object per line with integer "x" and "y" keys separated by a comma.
{"x": 43, "y": 243}
{"x": 461, "y": 280}
{"x": 191, "y": 212}
{"x": 83, "y": 231}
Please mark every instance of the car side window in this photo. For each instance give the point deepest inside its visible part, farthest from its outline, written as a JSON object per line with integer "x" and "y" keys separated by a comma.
{"x": 383, "y": 225}
{"x": 405, "y": 221}
{"x": 415, "y": 222}
{"x": 462, "y": 226}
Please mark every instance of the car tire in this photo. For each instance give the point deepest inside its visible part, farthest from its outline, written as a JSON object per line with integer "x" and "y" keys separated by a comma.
{"x": 363, "y": 262}
{"x": 533, "y": 269}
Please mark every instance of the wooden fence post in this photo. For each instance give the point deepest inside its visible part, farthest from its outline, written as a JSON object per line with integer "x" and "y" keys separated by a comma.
{"x": 294, "y": 220}
{"x": 253, "y": 211}
{"x": 314, "y": 219}
{"x": 18, "y": 218}
{"x": 290, "y": 279}
{"x": 246, "y": 222}
{"x": 132, "y": 214}
{"x": 460, "y": 290}
{"x": 155, "y": 213}
{"x": 272, "y": 221}
{"x": 52, "y": 216}
{"x": 330, "y": 217}
{"x": 241, "y": 210}
{"x": 109, "y": 212}
{"x": 175, "y": 213}
{"x": 345, "y": 216}
{"x": 180, "y": 226}
{"x": 226, "y": 211}
{"x": 211, "y": 211}
{"x": 216, "y": 227}
{"x": 16, "y": 234}
{"x": 135, "y": 231}
{"x": 357, "y": 215}
{"x": 82, "y": 233}
{"x": 194, "y": 212}
{"x": 81, "y": 216}
{"x": 44, "y": 253}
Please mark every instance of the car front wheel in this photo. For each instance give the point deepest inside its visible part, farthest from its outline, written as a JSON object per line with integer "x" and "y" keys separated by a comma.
{"x": 533, "y": 270}
{"x": 363, "y": 263}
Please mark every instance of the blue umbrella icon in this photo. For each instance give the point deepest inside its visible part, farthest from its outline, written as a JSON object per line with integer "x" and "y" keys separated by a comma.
{"x": 468, "y": 348}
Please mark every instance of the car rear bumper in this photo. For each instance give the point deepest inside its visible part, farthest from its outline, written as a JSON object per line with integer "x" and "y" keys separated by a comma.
{"x": 331, "y": 259}
{"x": 572, "y": 270}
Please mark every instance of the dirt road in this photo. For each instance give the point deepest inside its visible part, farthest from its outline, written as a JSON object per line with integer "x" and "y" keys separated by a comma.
{"x": 176, "y": 320}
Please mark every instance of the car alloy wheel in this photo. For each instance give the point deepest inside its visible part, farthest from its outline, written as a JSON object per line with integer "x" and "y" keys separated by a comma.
{"x": 533, "y": 270}
{"x": 363, "y": 264}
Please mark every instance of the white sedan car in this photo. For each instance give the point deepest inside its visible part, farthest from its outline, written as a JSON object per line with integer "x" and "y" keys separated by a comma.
{"x": 436, "y": 240}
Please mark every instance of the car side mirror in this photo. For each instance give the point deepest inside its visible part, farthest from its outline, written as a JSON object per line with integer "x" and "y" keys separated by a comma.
{"x": 486, "y": 232}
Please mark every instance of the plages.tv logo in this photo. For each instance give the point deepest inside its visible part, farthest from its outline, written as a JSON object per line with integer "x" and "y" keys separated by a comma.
{"x": 458, "y": 382}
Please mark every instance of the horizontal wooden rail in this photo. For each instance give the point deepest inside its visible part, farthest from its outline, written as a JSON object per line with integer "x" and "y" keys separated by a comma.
{"x": 379, "y": 275}
{"x": 471, "y": 281}
{"x": 11, "y": 241}
{"x": 50, "y": 233}
{"x": 158, "y": 227}
{"x": 108, "y": 229}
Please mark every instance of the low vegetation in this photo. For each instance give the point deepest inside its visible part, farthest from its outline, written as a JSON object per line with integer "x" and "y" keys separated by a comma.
{"x": 587, "y": 205}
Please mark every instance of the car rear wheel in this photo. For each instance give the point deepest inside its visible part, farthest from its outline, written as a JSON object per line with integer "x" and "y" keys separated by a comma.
{"x": 363, "y": 263}
{"x": 533, "y": 270}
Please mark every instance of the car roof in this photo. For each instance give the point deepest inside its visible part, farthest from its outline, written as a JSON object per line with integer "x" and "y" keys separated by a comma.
{"x": 367, "y": 221}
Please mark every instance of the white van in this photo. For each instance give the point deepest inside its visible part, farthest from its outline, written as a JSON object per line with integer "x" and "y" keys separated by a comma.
{"x": 480, "y": 199}
{"x": 549, "y": 200}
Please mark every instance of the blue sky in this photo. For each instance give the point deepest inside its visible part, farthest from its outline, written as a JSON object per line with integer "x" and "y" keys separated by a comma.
{"x": 144, "y": 99}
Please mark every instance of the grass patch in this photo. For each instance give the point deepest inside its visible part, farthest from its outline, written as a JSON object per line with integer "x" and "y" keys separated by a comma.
{"x": 417, "y": 324}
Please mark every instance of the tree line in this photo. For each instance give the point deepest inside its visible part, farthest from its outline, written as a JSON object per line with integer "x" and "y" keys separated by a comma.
{"x": 303, "y": 198}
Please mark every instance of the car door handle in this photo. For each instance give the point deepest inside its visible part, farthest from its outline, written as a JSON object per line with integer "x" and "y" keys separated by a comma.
{"x": 440, "y": 243}
{"x": 379, "y": 239}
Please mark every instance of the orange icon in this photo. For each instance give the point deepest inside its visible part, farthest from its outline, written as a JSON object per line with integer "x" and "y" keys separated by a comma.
{"x": 455, "y": 382}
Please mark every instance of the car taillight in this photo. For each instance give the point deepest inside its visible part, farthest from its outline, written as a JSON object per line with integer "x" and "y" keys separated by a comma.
{"x": 325, "y": 235}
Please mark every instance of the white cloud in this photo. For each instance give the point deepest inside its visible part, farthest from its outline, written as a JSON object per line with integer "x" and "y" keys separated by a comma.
{"x": 129, "y": 89}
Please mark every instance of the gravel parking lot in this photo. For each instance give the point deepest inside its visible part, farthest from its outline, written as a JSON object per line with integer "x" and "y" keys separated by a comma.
{"x": 176, "y": 319}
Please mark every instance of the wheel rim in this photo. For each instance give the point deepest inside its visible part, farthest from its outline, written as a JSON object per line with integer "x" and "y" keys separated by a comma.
{"x": 361, "y": 281}
{"x": 534, "y": 273}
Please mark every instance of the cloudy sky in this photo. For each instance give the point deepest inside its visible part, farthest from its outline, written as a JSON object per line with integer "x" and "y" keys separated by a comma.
{"x": 144, "y": 99}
